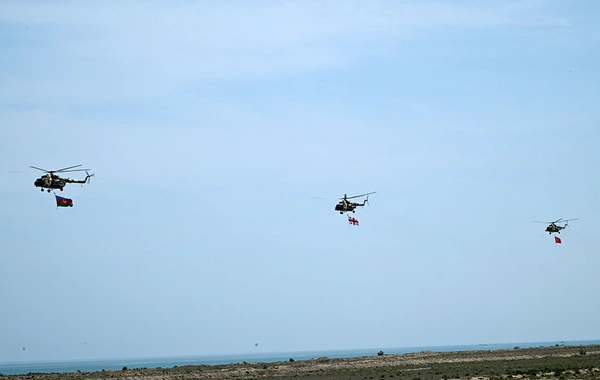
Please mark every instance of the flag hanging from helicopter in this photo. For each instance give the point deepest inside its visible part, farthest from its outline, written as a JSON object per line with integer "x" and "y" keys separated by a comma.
{"x": 352, "y": 220}
{"x": 557, "y": 240}
{"x": 63, "y": 202}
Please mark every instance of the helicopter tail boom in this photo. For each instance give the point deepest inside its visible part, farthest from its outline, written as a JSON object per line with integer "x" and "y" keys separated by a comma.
{"x": 365, "y": 202}
{"x": 86, "y": 180}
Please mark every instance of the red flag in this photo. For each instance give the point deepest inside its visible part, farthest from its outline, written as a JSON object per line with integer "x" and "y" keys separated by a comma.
{"x": 557, "y": 240}
{"x": 352, "y": 220}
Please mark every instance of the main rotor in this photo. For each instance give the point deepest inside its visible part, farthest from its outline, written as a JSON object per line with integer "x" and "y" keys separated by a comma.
{"x": 561, "y": 220}
{"x": 63, "y": 170}
{"x": 356, "y": 196}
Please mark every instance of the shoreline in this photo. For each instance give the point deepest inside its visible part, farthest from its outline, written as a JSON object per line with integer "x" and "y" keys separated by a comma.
{"x": 549, "y": 362}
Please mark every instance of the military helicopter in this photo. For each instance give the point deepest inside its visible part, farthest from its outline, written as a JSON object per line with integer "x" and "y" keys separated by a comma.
{"x": 51, "y": 180}
{"x": 345, "y": 205}
{"x": 554, "y": 228}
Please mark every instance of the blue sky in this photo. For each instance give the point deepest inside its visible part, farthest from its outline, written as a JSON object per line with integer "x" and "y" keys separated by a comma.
{"x": 213, "y": 126}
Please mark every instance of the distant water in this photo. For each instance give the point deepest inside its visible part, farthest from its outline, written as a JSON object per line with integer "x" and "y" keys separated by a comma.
{"x": 22, "y": 368}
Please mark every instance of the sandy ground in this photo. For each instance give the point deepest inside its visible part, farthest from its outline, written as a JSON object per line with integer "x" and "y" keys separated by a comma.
{"x": 558, "y": 362}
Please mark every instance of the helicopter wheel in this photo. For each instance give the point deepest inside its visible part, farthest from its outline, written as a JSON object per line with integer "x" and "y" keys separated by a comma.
{"x": 341, "y": 212}
{"x": 48, "y": 190}
{"x": 353, "y": 211}
{"x": 42, "y": 190}
{"x": 61, "y": 189}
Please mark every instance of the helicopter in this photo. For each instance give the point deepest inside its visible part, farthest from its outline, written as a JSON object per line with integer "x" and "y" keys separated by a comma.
{"x": 344, "y": 205}
{"x": 554, "y": 228}
{"x": 51, "y": 180}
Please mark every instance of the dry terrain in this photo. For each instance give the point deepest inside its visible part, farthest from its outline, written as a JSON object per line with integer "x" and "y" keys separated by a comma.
{"x": 559, "y": 362}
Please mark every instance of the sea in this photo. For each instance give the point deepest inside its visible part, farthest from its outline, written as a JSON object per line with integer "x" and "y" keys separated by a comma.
{"x": 24, "y": 368}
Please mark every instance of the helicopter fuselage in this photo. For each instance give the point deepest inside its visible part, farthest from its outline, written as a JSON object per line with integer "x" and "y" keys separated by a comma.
{"x": 553, "y": 228}
{"x": 50, "y": 182}
{"x": 344, "y": 208}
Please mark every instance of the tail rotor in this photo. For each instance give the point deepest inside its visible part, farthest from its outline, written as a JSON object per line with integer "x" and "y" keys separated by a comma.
{"x": 89, "y": 176}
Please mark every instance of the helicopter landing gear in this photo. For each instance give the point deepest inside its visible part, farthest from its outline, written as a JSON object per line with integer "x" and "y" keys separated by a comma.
{"x": 42, "y": 190}
{"x": 353, "y": 211}
{"x": 61, "y": 189}
{"x": 341, "y": 212}
{"x": 48, "y": 190}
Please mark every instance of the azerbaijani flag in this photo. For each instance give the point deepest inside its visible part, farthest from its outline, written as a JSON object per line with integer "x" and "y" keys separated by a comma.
{"x": 63, "y": 202}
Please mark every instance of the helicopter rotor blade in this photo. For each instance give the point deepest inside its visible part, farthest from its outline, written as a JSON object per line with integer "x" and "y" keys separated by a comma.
{"x": 44, "y": 170}
{"x": 361, "y": 195}
{"x": 561, "y": 220}
{"x": 63, "y": 170}
{"x": 73, "y": 170}
{"x": 67, "y": 168}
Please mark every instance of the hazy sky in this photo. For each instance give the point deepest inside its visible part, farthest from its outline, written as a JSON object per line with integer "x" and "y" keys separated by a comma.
{"x": 213, "y": 126}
